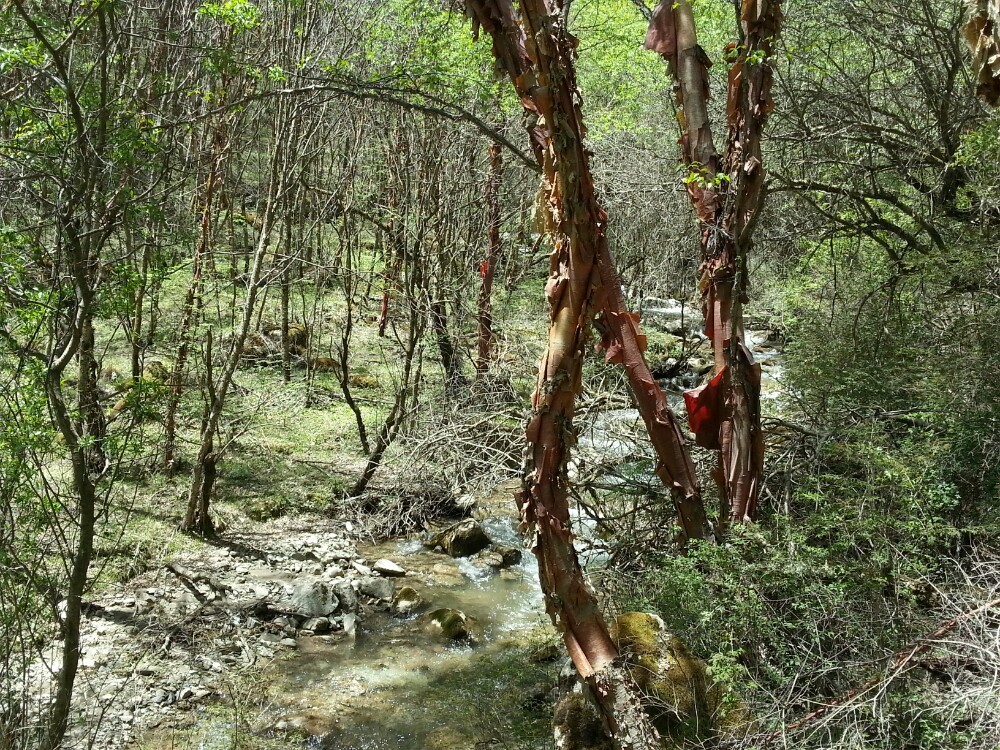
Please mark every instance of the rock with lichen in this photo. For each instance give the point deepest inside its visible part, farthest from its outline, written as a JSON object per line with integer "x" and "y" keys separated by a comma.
{"x": 450, "y": 624}
{"x": 681, "y": 701}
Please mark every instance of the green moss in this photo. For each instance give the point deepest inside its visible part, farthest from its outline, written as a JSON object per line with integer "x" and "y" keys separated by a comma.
{"x": 673, "y": 679}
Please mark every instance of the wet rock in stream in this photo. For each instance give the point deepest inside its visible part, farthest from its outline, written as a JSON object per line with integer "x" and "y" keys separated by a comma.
{"x": 407, "y": 601}
{"x": 498, "y": 557}
{"x": 461, "y": 539}
{"x": 450, "y": 624}
{"x": 314, "y": 599}
{"x": 377, "y": 588}
{"x": 388, "y": 568}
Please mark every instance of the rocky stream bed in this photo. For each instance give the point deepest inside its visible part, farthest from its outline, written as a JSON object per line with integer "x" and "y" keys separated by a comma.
{"x": 300, "y": 631}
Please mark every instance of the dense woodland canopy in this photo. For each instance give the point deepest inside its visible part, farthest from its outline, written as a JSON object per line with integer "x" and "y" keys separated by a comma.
{"x": 713, "y": 286}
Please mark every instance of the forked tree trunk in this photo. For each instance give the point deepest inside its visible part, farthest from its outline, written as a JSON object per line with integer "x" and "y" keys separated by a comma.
{"x": 536, "y": 51}
{"x": 489, "y": 265}
{"x": 625, "y": 344}
{"x": 724, "y": 414}
{"x": 192, "y": 299}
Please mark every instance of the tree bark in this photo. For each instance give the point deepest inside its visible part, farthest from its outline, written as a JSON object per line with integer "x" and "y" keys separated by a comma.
{"x": 982, "y": 34}
{"x": 489, "y": 266}
{"x": 724, "y": 414}
{"x": 537, "y": 53}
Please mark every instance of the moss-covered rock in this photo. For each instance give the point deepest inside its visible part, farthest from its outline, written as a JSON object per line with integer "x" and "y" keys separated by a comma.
{"x": 680, "y": 699}
{"x": 407, "y": 601}
{"x": 450, "y": 624}
{"x": 156, "y": 371}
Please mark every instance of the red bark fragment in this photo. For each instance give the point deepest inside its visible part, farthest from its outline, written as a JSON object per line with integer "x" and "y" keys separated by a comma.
{"x": 661, "y": 36}
{"x": 705, "y": 407}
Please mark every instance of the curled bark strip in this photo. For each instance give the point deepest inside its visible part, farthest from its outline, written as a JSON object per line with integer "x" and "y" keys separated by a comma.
{"x": 982, "y": 34}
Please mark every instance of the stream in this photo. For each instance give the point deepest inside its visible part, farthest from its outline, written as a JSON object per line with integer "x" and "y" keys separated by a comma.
{"x": 394, "y": 685}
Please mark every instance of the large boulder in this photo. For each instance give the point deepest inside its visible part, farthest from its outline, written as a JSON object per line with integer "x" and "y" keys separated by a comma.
{"x": 682, "y": 703}
{"x": 314, "y": 599}
{"x": 461, "y": 539}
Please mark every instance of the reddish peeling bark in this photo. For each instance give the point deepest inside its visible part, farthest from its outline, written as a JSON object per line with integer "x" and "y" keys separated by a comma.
{"x": 537, "y": 52}
{"x": 489, "y": 266}
{"x": 727, "y": 197}
{"x": 625, "y": 344}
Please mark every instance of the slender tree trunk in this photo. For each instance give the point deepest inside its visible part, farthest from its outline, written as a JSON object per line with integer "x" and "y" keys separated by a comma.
{"x": 192, "y": 300}
{"x": 349, "y": 283}
{"x": 137, "y": 310}
{"x": 197, "y": 517}
{"x": 286, "y": 353}
{"x": 624, "y": 344}
{"x": 404, "y": 394}
{"x": 450, "y": 362}
{"x": 537, "y": 52}
{"x": 86, "y": 496}
{"x": 83, "y": 434}
{"x": 489, "y": 266}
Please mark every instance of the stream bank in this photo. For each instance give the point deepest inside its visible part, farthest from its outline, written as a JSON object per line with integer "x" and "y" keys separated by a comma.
{"x": 297, "y": 633}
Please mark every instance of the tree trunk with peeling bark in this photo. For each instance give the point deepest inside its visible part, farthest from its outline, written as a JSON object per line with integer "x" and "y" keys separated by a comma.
{"x": 537, "y": 52}
{"x": 489, "y": 266}
{"x": 625, "y": 345}
{"x": 727, "y": 197}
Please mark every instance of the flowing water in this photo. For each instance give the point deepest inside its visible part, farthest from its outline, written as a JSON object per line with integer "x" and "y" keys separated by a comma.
{"x": 398, "y": 686}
